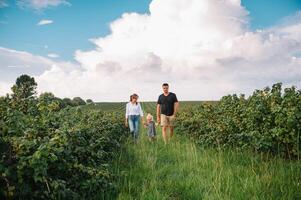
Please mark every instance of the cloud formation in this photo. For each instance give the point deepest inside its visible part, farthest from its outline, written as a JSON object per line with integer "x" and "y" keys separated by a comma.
{"x": 53, "y": 55}
{"x": 15, "y": 63}
{"x": 40, "y": 4}
{"x": 204, "y": 49}
{"x": 44, "y": 22}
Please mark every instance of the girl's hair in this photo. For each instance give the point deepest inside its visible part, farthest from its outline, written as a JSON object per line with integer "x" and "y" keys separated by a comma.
{"x": 132, "y": 96}
{"x": 149, "y": 116}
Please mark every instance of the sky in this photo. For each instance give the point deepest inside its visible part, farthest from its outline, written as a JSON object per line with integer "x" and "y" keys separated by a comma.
{"x": 105, "y": 50}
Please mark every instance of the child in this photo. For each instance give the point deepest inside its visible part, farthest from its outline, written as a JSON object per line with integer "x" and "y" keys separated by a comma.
{"x": 151, "y": 128}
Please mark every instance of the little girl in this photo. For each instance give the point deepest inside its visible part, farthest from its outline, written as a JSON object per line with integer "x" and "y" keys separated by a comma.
{"x": 151, "y": 128}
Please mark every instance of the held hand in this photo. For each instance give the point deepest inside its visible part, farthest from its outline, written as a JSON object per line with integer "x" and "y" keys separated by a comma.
{"x": 126, "y": 124}
{"x": 158, "y": 120}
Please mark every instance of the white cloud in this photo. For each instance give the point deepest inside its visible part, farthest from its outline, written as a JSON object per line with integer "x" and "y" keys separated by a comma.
{"x": 41, "y": 4}
{"x": 44, "y": 22}
{"x": 5, "y": 88}
{"x": 204, "y": 49}
{"x": 53, "y": 55}
{"x": 14, "y": 63}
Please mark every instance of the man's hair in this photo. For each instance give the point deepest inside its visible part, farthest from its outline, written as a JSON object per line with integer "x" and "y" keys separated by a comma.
{"x": 165, "y": 84}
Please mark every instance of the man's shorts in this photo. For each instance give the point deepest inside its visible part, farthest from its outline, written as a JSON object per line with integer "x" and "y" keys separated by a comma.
{"x": 167, "y": 120}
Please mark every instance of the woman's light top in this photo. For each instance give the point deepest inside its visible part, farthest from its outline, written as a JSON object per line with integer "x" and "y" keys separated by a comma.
{"x": 133, "y": 109}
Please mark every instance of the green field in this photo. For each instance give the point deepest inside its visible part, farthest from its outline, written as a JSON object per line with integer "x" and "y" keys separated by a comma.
{"x": 184, "y": 170}
{"x": 148, "y": 107}
{"x": 236, "y": 148}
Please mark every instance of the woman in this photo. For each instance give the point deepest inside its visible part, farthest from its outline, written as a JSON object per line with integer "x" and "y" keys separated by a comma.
{"x": 132, "y": 115}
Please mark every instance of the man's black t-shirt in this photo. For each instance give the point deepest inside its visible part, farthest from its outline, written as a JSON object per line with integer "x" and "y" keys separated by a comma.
{"x": 167, "y": 103}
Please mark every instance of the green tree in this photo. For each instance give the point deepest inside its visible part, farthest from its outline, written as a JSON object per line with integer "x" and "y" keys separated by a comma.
{"x": 24, "y": 91}
{"x": 25, "y": 87}
{"x": 77, "y": 101}
{"x": 47, "y": 97}
{"x": 47, "y": 101}
{"x": 68, "y": 102}
{"x": 89, "y": 101}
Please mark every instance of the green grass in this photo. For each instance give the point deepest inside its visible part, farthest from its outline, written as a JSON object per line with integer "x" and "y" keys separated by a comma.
{"x": 182, "y": 170}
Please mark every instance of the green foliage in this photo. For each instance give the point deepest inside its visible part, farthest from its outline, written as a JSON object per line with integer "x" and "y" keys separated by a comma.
{"x": 47, "y": 101}
{"x": 23, "y": 93}
{"x": 267, "y": 121}
{"x": 25, "y": 87}
{"x": 68, "y": 102}
{"x": 58, "y": 155}
{"x": 49, "y": 151}
{"x": 89, "y": 101}
{"x": 77, "y": 101}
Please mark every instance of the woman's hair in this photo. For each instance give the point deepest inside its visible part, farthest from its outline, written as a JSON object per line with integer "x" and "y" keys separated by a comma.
{"x": 134, "y": 96}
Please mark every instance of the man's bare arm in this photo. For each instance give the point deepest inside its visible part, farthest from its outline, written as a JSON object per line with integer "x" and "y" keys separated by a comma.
{"x": 158, "y": 112}
{"x": 176, "y": 108}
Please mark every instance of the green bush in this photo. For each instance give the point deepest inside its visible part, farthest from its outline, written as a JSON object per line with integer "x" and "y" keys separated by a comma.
{"x": 267, "y": 121}
{"x": 51, "y": 152}
{"x": 58, "y": 155}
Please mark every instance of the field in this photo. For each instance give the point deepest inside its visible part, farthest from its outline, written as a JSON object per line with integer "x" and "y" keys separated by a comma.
{"x": 184, "y": 170}
{"x": 149, "y": 107}
{"x": 234, "y": 148}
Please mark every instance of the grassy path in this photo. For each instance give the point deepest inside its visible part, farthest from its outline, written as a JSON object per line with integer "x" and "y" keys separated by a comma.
{"x": 181, "y": 170}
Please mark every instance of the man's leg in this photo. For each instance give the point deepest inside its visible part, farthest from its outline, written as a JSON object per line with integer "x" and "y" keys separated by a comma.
{"x": 164, "y": 134}
{"x": 164, "y": 127}
{"x": 171, "y": 131}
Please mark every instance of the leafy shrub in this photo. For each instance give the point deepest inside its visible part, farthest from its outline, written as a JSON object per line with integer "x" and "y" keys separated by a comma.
{"x": 47, "y": 152}
{"x": 267, "y": 121}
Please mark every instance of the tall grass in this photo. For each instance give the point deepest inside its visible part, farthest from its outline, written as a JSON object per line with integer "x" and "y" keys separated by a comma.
{"x": 182, "y": 170}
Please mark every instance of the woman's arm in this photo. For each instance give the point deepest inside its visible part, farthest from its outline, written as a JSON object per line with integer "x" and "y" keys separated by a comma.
{"x": 126, "y": 115}
{"x": 140, "y": 110}
{"x": 141, "y": 114}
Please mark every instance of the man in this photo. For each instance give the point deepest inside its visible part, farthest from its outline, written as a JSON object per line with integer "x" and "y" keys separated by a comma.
{"x": 167, "y": 107}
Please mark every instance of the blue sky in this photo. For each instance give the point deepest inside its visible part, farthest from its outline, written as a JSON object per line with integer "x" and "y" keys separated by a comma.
{"x": 75, "y": 24}
{"x": 72, "y": 28}
{"x": 265, "y": 13}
